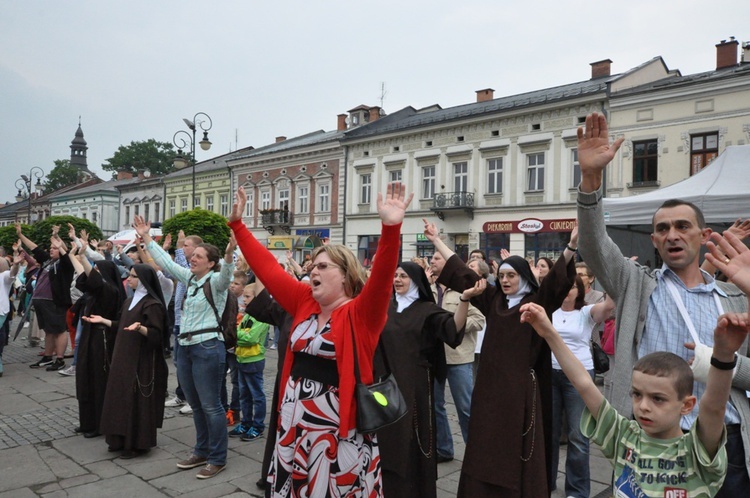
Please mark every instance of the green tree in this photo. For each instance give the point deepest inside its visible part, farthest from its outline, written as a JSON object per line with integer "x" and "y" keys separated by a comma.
{"x": 211, "y": 227}
{"x": 157, "y": 157}
{"x": 41, "y": 231}
{"x": 8, "y": 236}
{"x": 62, "y": 175}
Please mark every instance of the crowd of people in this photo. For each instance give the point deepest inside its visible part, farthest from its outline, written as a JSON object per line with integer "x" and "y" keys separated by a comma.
{"x": 512, "y": 339}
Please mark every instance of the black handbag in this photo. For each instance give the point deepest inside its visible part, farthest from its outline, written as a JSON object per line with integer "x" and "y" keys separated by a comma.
{"x": 601, "y": 360}
{"x": 379, "y": 404}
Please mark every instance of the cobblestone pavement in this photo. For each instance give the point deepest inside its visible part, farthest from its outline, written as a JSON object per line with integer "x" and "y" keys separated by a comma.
{"x": 40, "y": 454}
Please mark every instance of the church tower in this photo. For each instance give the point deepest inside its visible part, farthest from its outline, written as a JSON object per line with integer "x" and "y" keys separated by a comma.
{"x": 78, "y": 150}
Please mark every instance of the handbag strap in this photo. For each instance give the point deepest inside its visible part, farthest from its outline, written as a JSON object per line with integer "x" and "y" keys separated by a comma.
{"x": 356, "y": 361}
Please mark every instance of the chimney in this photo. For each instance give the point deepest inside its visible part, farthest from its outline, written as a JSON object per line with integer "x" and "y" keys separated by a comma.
{"x": 280, "y": 139}
{"x": 485, "y": 94}
{"x": 124, "y": 175}
{"x": 600, "y": 69}
{"x": 374, "y": 113}
{"x": 726, "y": 53}
{"x": 341, "y": 122}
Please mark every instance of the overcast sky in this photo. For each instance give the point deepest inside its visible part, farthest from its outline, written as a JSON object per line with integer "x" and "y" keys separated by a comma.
{"x": 132, "y": 70}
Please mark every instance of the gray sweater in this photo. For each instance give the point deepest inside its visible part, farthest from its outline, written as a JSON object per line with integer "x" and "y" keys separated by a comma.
{"x": 630, "y": 285}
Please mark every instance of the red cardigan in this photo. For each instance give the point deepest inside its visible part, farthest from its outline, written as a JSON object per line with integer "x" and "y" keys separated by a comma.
{"x": 368, "y": 311}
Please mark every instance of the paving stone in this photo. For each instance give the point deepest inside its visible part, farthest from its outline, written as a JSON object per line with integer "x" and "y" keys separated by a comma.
{"x": 126, "y": 486}
{"x": 106, "y": 469}
{"x": 62, "y": 466}
{"x": 79, "y": 480}
{"x": 23, "y": 467}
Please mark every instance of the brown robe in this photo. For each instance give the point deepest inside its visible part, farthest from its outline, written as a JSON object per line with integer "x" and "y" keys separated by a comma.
{"x": 95, "y": 348}
{"x": 134, "y": 403}
{"x": 413, "y": 342}
{"x": 508, "y": 400}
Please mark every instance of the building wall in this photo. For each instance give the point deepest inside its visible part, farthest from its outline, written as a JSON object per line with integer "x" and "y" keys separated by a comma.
{"x": 144, "y": 199}
{"x": 212, "y": 188}
{"x": 99, "y": 208}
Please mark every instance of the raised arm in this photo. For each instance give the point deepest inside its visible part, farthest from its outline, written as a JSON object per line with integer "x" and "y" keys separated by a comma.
{"x": 603, "y": 310}
{"x": 594, "y": 151}
{"x": 536, "y": 316}
{"x": 741, "y": 229}
{"x": 26, "y": 241}
{"x": 729, "y": 335}
{"x": 433, "y": 235}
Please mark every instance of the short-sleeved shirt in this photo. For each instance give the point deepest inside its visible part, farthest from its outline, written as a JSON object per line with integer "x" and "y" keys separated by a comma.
{"x": 649, "y": 467}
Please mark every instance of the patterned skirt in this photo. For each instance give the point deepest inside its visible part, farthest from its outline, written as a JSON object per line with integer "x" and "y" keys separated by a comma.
{"x": 310, "y": 458}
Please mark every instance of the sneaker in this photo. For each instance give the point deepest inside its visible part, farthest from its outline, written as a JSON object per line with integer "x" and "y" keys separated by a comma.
{"x": 58, "y": 364}
{"x": 209, "y": 471}
{"x": 70, "y": 371}
{"x": 273, "y": 346}
{"x": 240, "y": 430}
{"x": 231, "y": 418}
{"x": 251, "y": 435}
{"x": 191, "y": 463}
{"x": 174, "y": 402}
{"x": 186, "y": 410}
{"x": 43, "y": 362}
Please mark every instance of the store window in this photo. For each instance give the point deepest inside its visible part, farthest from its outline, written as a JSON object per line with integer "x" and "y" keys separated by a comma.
{"x": 546, "y": 245}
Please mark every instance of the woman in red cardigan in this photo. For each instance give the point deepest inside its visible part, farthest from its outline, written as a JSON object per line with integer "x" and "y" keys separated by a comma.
{"x": 318, "y": 451}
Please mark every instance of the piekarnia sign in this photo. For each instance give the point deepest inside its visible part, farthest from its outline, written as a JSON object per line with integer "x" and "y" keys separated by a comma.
{"x": 529, "y": 225}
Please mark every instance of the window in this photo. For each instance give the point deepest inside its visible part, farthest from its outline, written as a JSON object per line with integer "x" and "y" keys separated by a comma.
{"x": 224, "y": 205}
{"x": 136, "y": 209}
{"x": 265, "y": 200}
{"x": 460, "y": 177}
{"x": 703, "y": 149}
{"x": 93, "y": 216}
{"x": 172, "y": 208}
{"x": 428, "y": 182}
{"x": 495, "y": 175}
{"x": 183, "y": 205}
{"x": 197, "y": 201}
{"x": 146, "y": 212}
{"x": 128, "y": 221}
{"x": 324, "y": 197}
{"x": 303, "y": 194}
{"x": 645, "y": 158}
{"x": 284, "y": 199}
{"x": 365, "y": 188}
{"x": 249, "y": 209}
{"x": 394, "y": 176}
{"x": 535, "y": 163}
{"x": 157, "y": 211}
{"x": 210, "y": 203}
{"x": 576, "y": 169}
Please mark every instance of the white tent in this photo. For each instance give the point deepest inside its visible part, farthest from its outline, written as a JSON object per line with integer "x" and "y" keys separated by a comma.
{"x": 721, "y": 190}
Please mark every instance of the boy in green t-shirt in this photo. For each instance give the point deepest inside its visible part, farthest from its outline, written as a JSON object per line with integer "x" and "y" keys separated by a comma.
{"x": 651, "y": 455}
{"x": 251, "y": 360}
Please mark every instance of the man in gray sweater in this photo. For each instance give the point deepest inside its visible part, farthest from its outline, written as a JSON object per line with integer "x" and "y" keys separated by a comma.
{"x": 668, "y": 309}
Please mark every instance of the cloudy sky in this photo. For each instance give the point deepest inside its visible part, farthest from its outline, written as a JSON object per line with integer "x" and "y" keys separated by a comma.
{"x": 132, "y": 70}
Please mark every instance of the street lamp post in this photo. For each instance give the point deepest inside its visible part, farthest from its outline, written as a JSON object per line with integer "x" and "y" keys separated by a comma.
{"x": 23, "y": 185}
{"x": 182, "y": 139}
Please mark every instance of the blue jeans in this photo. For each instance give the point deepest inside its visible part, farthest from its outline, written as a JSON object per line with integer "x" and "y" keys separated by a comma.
{"x": 737, "y": 482}
{"x": 200, "y": 368}
{"x": 460, "y": 380}
{"x": 252, "y": 396}
{"x": 234, "y": 401}
{"x": 177, "y": 392}
{"x": 577, "y": 475}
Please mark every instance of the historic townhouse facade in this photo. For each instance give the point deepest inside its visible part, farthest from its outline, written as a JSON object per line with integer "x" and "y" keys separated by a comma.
{"x": 98, "y": 203}
{"x": 676, "y": 126}
{"x": 295, "y": 190}
{"x": 497, "y": 173}
{"x": 140, "y": 196}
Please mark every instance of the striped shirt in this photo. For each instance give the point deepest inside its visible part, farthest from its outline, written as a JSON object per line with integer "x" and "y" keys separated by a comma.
{"x": 179, "y": 292}
{"x": 665, "y": 329}
{"x": 197, "y": 313}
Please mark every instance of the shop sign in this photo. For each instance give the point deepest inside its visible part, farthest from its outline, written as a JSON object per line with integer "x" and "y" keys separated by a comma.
{"x": 530, "y": 225}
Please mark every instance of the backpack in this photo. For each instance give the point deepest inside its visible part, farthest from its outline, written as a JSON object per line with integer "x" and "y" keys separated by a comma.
{"x": 228, "y": 320}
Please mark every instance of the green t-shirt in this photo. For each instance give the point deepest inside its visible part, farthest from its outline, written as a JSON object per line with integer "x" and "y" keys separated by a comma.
{"x": 648, "y": 467}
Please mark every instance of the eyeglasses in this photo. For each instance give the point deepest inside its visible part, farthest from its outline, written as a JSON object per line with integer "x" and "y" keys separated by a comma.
{"x": 323, "y": 266}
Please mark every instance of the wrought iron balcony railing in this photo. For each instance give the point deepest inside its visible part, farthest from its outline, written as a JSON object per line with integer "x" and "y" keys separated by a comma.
{"x": 446, "y": 201}
{"x": 273, "y": 219}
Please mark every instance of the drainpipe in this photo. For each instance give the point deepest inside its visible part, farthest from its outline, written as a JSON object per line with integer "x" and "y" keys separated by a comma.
{"x": 346, "y": 188}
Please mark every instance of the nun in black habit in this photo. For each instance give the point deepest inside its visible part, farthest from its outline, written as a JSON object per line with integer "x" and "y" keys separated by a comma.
{"x": 413, "y": 340}
{"x": 510, "y": 427}
{"x": 134, "y": 402}
{"x": 103, "y": 295}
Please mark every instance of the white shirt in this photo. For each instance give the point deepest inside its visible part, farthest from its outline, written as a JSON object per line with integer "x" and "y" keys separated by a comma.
{"x": 6, "y": 281}
{"x": 575, "y": 329}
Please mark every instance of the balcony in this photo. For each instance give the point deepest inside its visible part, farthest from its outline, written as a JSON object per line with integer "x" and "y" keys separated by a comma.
{"x": 453, "y": 201}
{"x": 275, "y": 220}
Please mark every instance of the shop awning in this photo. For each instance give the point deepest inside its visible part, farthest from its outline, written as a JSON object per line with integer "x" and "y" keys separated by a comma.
{"x": 308, "y": 242}
{"x": 280, "y": 242}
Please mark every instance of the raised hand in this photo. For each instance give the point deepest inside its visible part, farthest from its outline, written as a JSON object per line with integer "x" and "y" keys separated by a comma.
{"x": 534, "y": 315}
{"x": 18, "y": 229}
{"x": 17, "y": 245}
{"x": 594, "y": 150}
{"x": 181, "y": 239}
{"x": 84, "y": 237}
{"x": 732, "y": 257}
{"x": 479, "y": 288}
{"x": 504, "y": 254}
{"x": 431, "y": 230}
{"x": 142, "y": 227}
{"x": 238, "y": 208}
{"x": 232, "y": 245}
{"x": 167, "y": 242}
{"x": 729, "y": 334}
{"x": 741, "y": 229}
{"x": 392, "y": 207}
{"x": 71, "y": 231}
{"x": 94, "y": 244}
{"x": 55, "y": 230}
{"x": 574, "y": 237}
